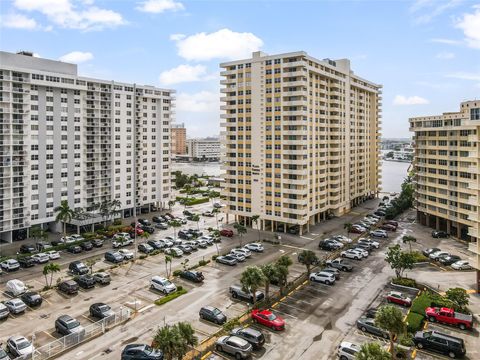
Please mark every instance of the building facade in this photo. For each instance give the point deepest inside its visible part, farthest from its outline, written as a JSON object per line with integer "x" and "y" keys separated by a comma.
{"x": 447, "y": 173}
{"x": 179, "y": 139}
{"x": 87, "y": 141}
{"x": 300, "y": 139}
{"x": 203, "y": 149}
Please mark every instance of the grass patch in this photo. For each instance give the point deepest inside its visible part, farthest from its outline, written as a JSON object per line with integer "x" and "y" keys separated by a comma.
{"x": 421, "y": 303}
{"x": 418, "y": 256}
{"x": 414, "y": 322}
{"x": 170, "y": 297}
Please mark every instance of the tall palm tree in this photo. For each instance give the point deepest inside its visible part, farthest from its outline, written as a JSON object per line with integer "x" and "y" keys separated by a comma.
{"x": 282, "y": 264}
{"x": 175, "y": 224}
{"x": 408, "y": 239}
{"x": 196, "y": 218}
{"x": 255, "y": 219}
{"x": 171, "y": 203}
{"x": 216, "y": 235}
{"x": 270, "y": 273}
{"x": 37, "y": 233}
{"x": 50, "y": 268}
{"x": 390, "y": 318}
{"x": 115, "y": 205}
{"x": 309, "y": 259}
{"x": 252, "y": 278}
{"x": 64, "y": 214}
{"x": 187, "y": 333}
{"x": 348, "y": 227}
{"x": 216, "y": 211}
{"x": 241, "y": 230}
{"x": 166, "y": 340}
{"x": 168, "y": 259}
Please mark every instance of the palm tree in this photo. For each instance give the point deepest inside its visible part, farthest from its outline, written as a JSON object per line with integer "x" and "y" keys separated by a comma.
{"x": 167, "y": 340}
{"x": 90, "y": 263}
{"x": 281, "y": 266}
{"x": 65, "y": 214}
{"x": 241, "y": 230}
{"x": 115, "y": 205}
{"x": 196, "y": 218}
{"x": 270, "y": 273}
{"x": 171, "y": 203}
{"x": 50, "y": 268}
{"x": 348, "y": 227}
{"x": 216, "y": 235}
{"x": 284, "y": 260}
{"x": 255, "y": 219}
{"x": 370, "y": 351}
{"x": 145, "y": 235}
{"x": 408, "y": 239}
{"x": 37, "y": 233}
{"x": 187, "y": 333}
{"x": 390, "y": 318}
{"x": 308, "y": 258}
{"x": 252, "y": 278}
{"x": 175, "y": 224}
{"x": 216, "y": 211}
{"x": 168, "y": 259}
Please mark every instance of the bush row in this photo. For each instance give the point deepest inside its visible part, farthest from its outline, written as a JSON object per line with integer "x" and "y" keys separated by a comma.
{"x": 405, "y": 282}
{"x": 180, "y": 291}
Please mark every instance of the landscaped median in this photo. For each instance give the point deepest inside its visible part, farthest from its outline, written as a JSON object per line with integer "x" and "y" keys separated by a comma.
{"x": 180, "y": 291}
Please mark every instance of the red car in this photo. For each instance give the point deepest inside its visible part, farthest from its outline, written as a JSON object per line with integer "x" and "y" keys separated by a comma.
{"x": 398, "y": 298}
{"x": 269, "y": 319}
{"x": 391, "y": 222}
{"x": 356, "y": 230}
{"x": 449, "y": 316}
{"x": 226, "y": 232}
{"x": 388, "y": 227}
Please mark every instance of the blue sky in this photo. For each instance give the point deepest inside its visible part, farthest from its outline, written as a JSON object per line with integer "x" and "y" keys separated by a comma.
{"x": 426, "y": 53}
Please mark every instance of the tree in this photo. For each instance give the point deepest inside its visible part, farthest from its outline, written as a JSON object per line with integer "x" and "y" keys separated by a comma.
{"x": 458, "y": 295}
{"x": 175, "y": 340}
{"x": 308, "y": 258}
{"x": 284, "y": 260}
{"x": 184, "y": 264}
{"x": 104, "y": 209}
{"x": 64, "y": 215}
{"x": 216, "y": 236}
{"x": 90, "y": 263}
{"x": 241, "y": 230}
{"x": 115, "y": 205}
{"x": 175, "y": 224}
{"x": 399, "y": 260}
{"x": 171, "y": 203}
{"x": 50, "y": 268}
{"x": 168, "y": 259}
{"x": 196, "y": 218}
{"x": 269, "y": 273}
{"x": 216, "y": 211}
{"x": 145, "y": 235}
{"x": 372, "y": 351}
{"x": 282, "y": 276}
{"x": 390, "y": 318}
{"x": 180, "y": 179}
{"x": 348, "y": 227}
{"x": 252, "y": 278}
{"x": 37, "y": 233}
{"x": 255, "y": 219}
{"x": 408, "y": 239}
{"x": 187, "y": 334}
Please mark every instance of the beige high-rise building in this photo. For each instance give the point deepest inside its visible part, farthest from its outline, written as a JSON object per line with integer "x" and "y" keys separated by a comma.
{"x": 300, "y": 139}
{"x": 179, "y": 139}
{"x": 447, "y": 172}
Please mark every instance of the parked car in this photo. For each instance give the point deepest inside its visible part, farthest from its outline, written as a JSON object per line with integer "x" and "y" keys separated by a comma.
{"x": 127, "y": 254}
{"x": 141, "y": 352}
{"x": 364, "y": 246}
{"x": 237, "y": 292}
{"x": 212, "y": 314}
{"x": 53, "y": 255}
{"x": 195, "y": 276}
{"x": 379, "y": 233}
{"x": 86, "y": 245}
{"x": 449, "y": 259}
{"x": 242, "y": 251}
{"x": 174, "y": 251}
{"x": 256, "y": 247}
{"x": 10, "y": 265}
{"x": 208, "y": 214}
{"x": 42, "y": 246}
{"x": 113, "y": 256}
{"x": 357, "y": 229}
{"x": 333, "y": 271}
{"x": 433, "y": 340}
{"x": 157, "y": 219}
{"x": 192, "y": 243}
{"x": 161, "y": 226}
{"x": 238, "y": 256}
{"x": 161, "y": 284}
{"x": 347, "y": 350}
{"x": 32, "y": 299}
{"x": 202, "y": 243}
{"x": 76, "y": 237}
{"x": 342, "y": 238}
{"x": 145, "y": 248}
{"x": 27, "y": 249}
{"x": 253, "y": 336}
{"x": 360, "y": 248}
{"x": 235, "y": 346}
{"x": 372, "y": 243}
{"x": 20, "y": 347}
{"x": 371, "y": 312}
{"x": 100, "y": 311}
{"x": 68, "y": 287}
{"x": 121, "y": 239}
{"x": 439, "y": 234}
{"x": 226, "y": 232}
{"x": 339, "y": 264}
{"x": 323, "y": 277}
{"x": 461, "y": 265}
{"x": 4, "y": 355}
{"x": 144, "y": 222}
{"x": 351, "y": 254}
{"x": 41, "y": 258}
{"x": 268, "y": 319}
{"x": 185, "y": 249}
{"x": 398, "y": 298}
{"x": 328, "y": 245}
{"x": 429, "y": 251}
{"x": 102, "y": 278}
{"x": 380, "y": 213}
{"x": 74, "y": 249}
{"x": 4, "y": 313}
{"x": 227, "y": 260}
{"x": 449, "y": 316}
{"x": 66, "y": 325}
{"x": 438, "y": 254}
{"x": 26, "y": 261}
{"x": 78, "y": 268}
{"x": 368, "y": 325}
{"x": 166, "y": 243}
{"x": 391, "y": 222}
{"x": 97, "y": 243}
{"x": 15, "y": 306}
{"x": 15, "y": 287}
{"x": 86, "y": 281}
{"x": 388, "y": 227}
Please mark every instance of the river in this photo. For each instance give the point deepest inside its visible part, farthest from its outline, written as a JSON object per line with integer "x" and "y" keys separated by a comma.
{"x": 393, "y": 172}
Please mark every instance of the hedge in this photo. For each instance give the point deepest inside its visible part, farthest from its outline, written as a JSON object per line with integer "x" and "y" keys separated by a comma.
{"x": 180, "y": 291}
{"x": 421, "y": 303}
{"x": 405, "y": 282}
{"x": 414, "y": 322}
{"x": 197, "y": 201}
{"x": 418, "y": 256}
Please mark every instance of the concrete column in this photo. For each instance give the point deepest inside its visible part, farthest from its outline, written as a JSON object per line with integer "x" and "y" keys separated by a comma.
{"x": 308, "y": 227}
{"x": 449, "y": 226}
{"x": 78, "y": 229}
{"x": 300, "y": 230}
{"x": 437, "y": 223}
{"x": 459, "y": 232}
{"x": 285, "y": 228}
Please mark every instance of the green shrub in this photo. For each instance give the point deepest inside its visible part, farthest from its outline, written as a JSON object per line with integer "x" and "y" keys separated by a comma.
{"x": 117, "y": 222}
{"x": 203, "y": 262}
{"x": 414, "y": 322}
{"x": 196, "y": 201}
{"x": 405, "y": 282}
{"x": 143, "y": 257}
{"x": 418, "y": 256}
{"x": 180, "y": 291}
{"x": 231, "y": 324}
{"x": 155, "y": 252}
{"x": 177, "y": 272}
{"x": 180, "y": 288}
{"x": 214, "y": 257}
{"x": 89, "y": 235}
{"x": 421, "y": 303}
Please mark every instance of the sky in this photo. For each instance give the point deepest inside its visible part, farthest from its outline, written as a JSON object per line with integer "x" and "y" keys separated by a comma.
{"x": 425, "y": 53}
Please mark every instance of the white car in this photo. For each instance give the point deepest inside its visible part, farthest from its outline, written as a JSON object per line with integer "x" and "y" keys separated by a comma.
{"x": 351, "y": 254}
{"x": 202, "y": 243}
{"x": 53, "y": 255}
{"x": 370, "y": 221}
{"x": 361, "y": 251}
{"x": 121, "y": 239}
{"x": 15, "y": 306}
{"x": 174, "y": 251}
{"x": 41, "y": 258}
{"x": 67, "y": 239}
{"x": 238, "y": 256}
{"x": 10, "y": 265}
{"x": 161, "y": 284}
{"x": 342, "y": 238}
{"x": 379, "y": 233}
{"x": 127, "y": 254}
{"x": 323, "y": 277}
{"x": 20, "y": 347}
{"x": 461, "y": 265}
{"x": 437, "y": 254}
{"x": 373, "y": 243}
{"x": 76, "y": 237}
{"x": 192, "y": 243}
{"x": 242, "y": 251}
{"x": 166, "y": 243}
{"x": 347, "y": 351}
{"x": 207, "y": 238}
{"x": 257, "y": 247}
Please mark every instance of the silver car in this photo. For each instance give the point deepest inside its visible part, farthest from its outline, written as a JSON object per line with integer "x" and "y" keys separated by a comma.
{"x": 15, "y": 306}
{"x": 235, "y": 346}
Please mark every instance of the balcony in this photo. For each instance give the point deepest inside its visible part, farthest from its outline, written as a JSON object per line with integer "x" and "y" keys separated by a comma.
{"x": 473, "y": 185}
{"x": 474, "y": 247}
{"x": 473, "y": 216}
{"x": 474, "y": 233}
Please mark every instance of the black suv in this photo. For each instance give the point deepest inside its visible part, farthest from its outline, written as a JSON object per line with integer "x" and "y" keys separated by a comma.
{"x": 144, "y": 222}
{"x": 195, "y": 276}
{"x": 250, "y": 335}
{"x": 27, "y": 249}
{"x": 97, "y": 243}
{"x": 328, "y": 245}
{"x": 212, "y": 314}
{"x": 442, "y": 343}
{"x": 140, "y": 352}
{"x": 66, "y": 325}
{"x": 155, "y": 244}
{"x": 26, "y": 261}
{"x": 85, "y": 281}
{"x": 74, "y": 249}
{"x": 78, "y": 268}
{"x": 32, "y": 299}
{"x": 237, "y": 293}
{"x": 86, "y": 245}
{"x": 68, "y": 287}
{"x": 439, "y": 234}
{"x": 184, "y": 235}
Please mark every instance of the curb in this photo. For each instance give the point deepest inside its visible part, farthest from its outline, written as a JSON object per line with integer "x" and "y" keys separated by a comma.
{"x": 404, "y": 287}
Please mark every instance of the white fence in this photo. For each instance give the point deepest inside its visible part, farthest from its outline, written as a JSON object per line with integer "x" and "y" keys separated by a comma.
{"x": 90, "y": 331}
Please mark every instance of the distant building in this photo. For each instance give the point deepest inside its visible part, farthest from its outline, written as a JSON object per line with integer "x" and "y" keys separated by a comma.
{"x": 179, "y": 139}
{"x": 203, "y": 149}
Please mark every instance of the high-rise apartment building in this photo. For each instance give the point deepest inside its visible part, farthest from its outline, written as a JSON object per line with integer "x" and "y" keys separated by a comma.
{"x": 447, "y": 173}
{"x": 179, "y": 139}
{"x": 300, "y": 137}
{"x": 87, "y": 141}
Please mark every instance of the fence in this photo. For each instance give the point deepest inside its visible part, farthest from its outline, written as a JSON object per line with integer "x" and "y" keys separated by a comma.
{"x": 89, "y": 332}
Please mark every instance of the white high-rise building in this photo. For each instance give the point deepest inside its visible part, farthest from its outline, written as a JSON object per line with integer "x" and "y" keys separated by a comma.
{"x": 87, "y": 141}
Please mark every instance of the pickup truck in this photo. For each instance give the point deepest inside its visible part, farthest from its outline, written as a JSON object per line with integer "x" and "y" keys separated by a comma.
{"x": 339, "y": 264}
{"x": 449, "y": 316}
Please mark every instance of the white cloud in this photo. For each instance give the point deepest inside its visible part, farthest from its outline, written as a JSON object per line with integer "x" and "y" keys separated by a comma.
{"x": 160, "y": 6}
{"x": 18, "y": 21}
{"x": 67, "y": 14}
{"x": 203, "y": 101}
{"x": 184, "y": 73}
{"x": 76, "y": 57}
{"x": 410, "y": 100}
{"x": 465, "y": 76}
{"x": 446, "y": 41}
{"x": 470, "y": 24}
{"x": 426, "y": 10}
{"x": 445, "y": 55}
{"x": 176, "y": 37}
{"x": 223, "y": 44}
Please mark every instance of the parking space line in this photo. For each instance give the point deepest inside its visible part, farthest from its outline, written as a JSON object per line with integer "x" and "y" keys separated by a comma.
{"x": 284, "y": 313}
{"x": 202, "y": 332}
{"x": 50, "y": 335}
{"x": 296, "y": 299}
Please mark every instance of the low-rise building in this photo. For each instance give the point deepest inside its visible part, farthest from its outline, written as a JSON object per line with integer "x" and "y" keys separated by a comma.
{"x": 203, "y": 149}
